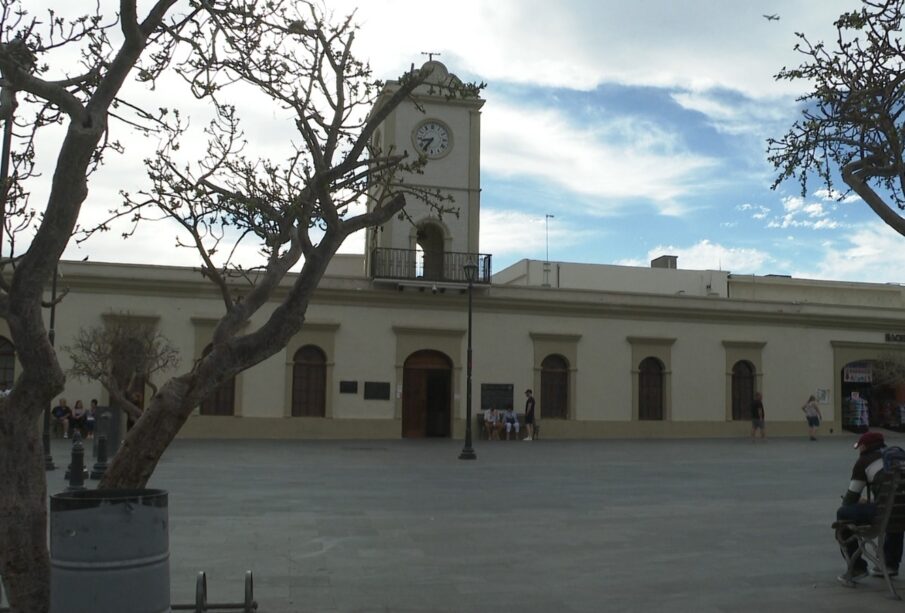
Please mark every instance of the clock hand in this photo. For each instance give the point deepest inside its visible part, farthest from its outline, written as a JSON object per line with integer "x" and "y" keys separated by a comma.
{"x": 425, "y": 142}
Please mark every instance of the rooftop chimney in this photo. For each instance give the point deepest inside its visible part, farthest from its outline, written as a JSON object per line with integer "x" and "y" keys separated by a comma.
{"x": 665, "y": 261}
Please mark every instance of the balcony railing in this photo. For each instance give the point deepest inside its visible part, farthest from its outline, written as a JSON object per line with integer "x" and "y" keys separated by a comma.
{"x": 413, "y": 265}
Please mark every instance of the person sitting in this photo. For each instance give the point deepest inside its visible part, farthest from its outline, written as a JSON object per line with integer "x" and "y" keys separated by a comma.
{"x": 61, "y": 413}
{"x": 856, "y": 510}
{"x": 492, "y": 423}
{"x": 79, "y": 418}
{"x": 91, "y": 417}
{"x": 511, "y": 421}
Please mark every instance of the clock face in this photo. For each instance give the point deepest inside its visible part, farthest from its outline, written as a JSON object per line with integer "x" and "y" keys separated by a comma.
{"x": 432, "y": 138}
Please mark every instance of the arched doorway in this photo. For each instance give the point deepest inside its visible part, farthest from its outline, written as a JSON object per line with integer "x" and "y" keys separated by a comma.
{"x": 309, "y": 382}
{"x": 430, "y": 251}
{"x": 743, "y": 377}
{"x": 554, "y": 387}
{"x": 873, "y": 395}
{"x": 426, "y": 395}
{"x": 650, "y": 389}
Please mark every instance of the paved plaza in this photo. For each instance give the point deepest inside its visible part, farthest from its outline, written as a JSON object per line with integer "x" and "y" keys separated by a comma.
{"x": 541, "y": 526}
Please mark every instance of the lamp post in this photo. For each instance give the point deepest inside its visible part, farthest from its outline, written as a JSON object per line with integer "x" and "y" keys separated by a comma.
{"x": 471, "y": 272}
{"x": 48, "y": 458}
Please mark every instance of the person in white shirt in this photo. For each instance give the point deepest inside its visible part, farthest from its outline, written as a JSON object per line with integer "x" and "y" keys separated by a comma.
{"x": 492, "y": 423}
{"x": 510, "y": 419}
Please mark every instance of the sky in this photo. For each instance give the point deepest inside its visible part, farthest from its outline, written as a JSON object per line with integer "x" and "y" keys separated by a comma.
{"x": 639, "y": 126}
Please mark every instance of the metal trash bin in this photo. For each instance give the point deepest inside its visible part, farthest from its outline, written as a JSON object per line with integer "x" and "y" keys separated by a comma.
{"x": 109, "y": 552}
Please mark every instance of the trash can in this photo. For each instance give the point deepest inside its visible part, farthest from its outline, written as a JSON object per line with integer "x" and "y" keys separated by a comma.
{"x": 109, "y": 552}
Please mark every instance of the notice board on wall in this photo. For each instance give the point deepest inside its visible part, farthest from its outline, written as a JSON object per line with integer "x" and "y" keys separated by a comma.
{"x": 496, "y": 394}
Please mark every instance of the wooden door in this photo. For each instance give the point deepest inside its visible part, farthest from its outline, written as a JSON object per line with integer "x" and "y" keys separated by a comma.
{"x": 650, "y": 389}
{"x": 426, "y": 391}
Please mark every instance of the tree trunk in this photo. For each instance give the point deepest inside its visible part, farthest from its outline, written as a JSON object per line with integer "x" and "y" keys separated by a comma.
{"x": 24, "y": 561}
{"x": 145, "y": 443}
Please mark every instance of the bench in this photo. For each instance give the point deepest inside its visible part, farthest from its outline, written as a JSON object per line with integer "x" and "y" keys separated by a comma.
{"x": 522, "y": 433}
{"x": 890, "y": 501}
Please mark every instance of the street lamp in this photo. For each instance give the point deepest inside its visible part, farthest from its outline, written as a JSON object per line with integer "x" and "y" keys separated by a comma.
{"x": 48, "y": 458}
{"x": 471, "y": 272}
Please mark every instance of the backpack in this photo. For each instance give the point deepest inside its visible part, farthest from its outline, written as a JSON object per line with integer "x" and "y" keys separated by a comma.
{"x": 893, "y": 458}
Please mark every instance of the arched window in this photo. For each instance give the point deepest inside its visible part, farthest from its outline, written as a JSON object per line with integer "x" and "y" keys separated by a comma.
{"x": 309, "y": 382}
{"x": 223, "y": 400}
{"x": 430, "y": 251}
{"x": 650, "y": 389}
{"x": 742, "y": 390}
{"x": 7, "y": 364}
{"x": 554, "y": 387}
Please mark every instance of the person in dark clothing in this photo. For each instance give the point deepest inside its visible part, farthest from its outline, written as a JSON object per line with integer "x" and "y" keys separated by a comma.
{"x": 529, "y": 415}
{"x": 858, "y": 510}
{"x": 757, "y": 417}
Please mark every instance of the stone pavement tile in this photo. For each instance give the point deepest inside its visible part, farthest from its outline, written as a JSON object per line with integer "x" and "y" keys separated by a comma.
{"x": 334, "y": 526}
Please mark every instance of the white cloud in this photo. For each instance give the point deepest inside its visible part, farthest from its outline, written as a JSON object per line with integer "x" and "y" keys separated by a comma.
{"x": 814, "y": 210}
{"x": 758, "y": 211}
{"x": 615, "y": 161}
{"x": 737, "y": 117}
{"x": 869, "y": 253}
{"x": 802, "y": 214}
{"x": 514, "y": 234}
{"x": 693, "y": 45}
{"x": 832, "y": 195}
{"x": 705, "y": 255}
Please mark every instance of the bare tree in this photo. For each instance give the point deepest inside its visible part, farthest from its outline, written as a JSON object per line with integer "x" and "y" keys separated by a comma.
{"x": 81, "y": 93}
{"x": 852, "y": 121}
{"x": 123, "y": 353}
{"x": 889, "y": 370}
{"x": 297, "y": 209}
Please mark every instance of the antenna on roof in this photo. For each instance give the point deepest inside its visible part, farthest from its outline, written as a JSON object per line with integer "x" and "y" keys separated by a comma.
{"x": 430, "y": 55}
{"x": 547, "y": 219}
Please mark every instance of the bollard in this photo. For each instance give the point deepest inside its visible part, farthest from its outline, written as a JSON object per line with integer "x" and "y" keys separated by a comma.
{"x": 76, "y": 473}
{"x": 100, "y": 467}
{"x": 77, "y": 439}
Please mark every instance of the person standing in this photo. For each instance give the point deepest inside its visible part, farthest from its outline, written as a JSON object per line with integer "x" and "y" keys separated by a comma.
{"x": 529, "y": 415}
{"x": 757, "y": 418}
{"x": 812, "y": 414}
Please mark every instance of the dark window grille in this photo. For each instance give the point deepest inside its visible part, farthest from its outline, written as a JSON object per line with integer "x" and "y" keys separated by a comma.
{"x": 554, "y": 388}
{"x": 7, "y": 363}
{"x": 223, "y": 400}
{"x": 743, "y": 376}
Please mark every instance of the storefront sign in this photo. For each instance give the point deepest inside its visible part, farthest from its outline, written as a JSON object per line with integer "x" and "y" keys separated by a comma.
{"x": 857, "y": 373}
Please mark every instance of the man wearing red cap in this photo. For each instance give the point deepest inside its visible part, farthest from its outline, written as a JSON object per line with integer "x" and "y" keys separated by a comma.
{"x": 853, "y": 510}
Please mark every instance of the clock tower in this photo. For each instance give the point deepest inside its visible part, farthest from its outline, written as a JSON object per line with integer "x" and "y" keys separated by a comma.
{"x": 429, "y": 246}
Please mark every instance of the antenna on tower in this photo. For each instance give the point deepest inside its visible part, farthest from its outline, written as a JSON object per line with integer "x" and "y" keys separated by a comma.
{"x": 430, "y": 55}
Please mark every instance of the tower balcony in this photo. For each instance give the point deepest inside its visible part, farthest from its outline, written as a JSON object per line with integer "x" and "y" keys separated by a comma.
{"x": 427, "y": 266}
